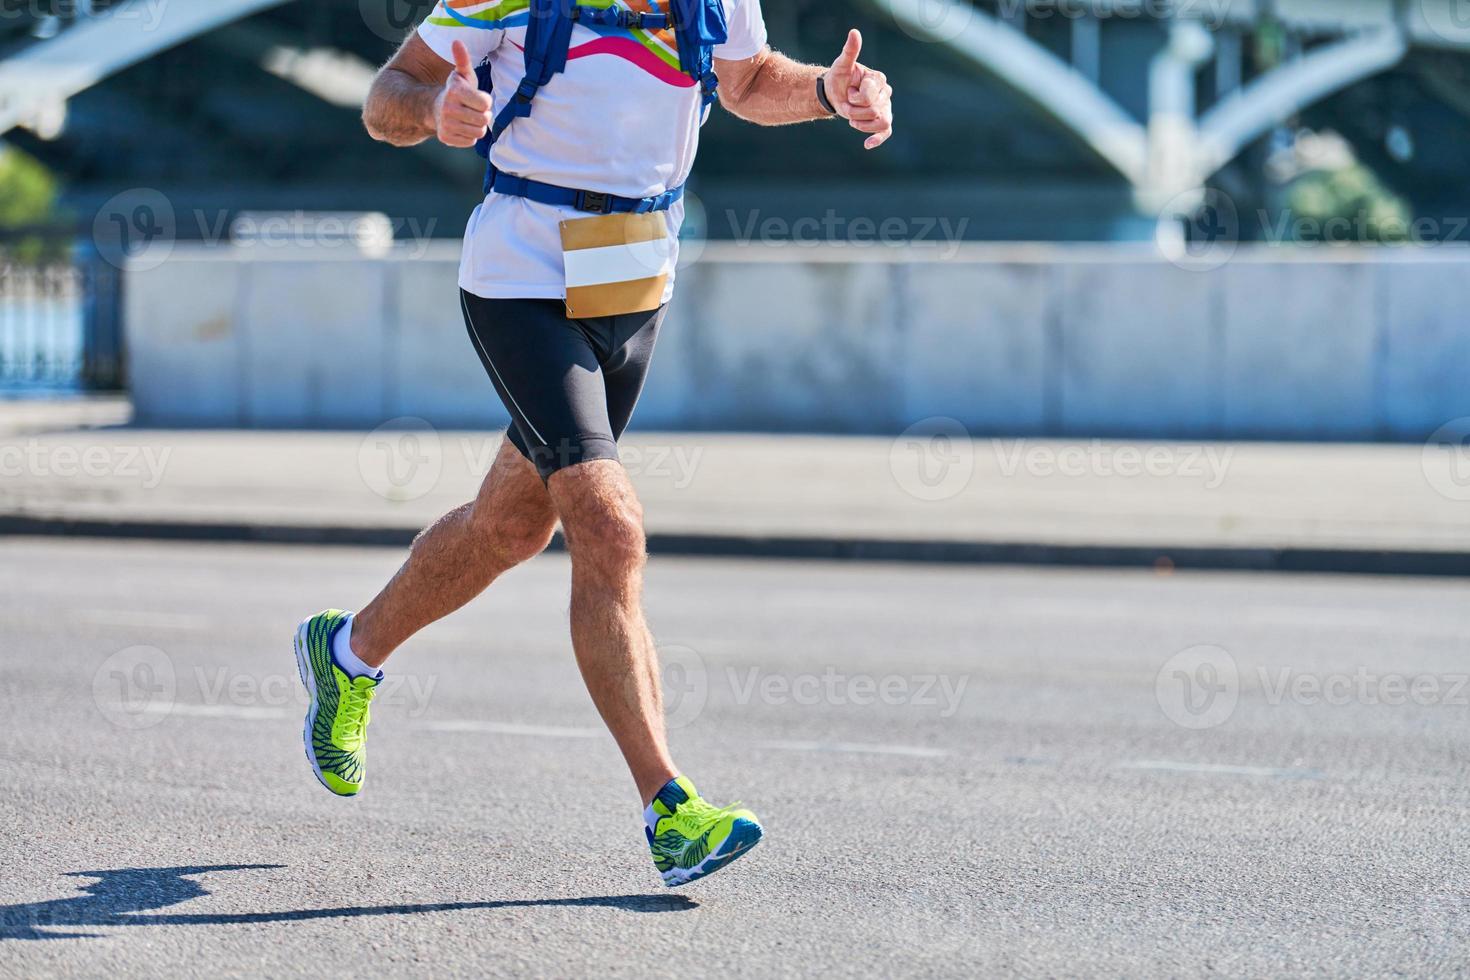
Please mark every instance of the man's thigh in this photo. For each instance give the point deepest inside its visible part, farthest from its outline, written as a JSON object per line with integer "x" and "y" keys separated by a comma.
{"x": 513, "y": 488}
{"x": 630, "y": 341}
{"x": 569, "y": 385}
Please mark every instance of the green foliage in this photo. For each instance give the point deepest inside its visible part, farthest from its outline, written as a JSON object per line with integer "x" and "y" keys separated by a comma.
{"x": 1270, "y": 42}
{"x": 27, "y": 190}
{"x": 28, "y": 194}
{"x": 1346, "y": 206}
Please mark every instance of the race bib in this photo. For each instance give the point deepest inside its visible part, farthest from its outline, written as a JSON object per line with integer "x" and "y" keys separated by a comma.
{"x": 616, "y": 263}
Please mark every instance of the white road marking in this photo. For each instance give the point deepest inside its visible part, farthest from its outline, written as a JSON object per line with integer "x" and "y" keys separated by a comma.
{"x": 857, "y": 748}
{"x": 550, "y": 731}
{"x": 216, "y": 710}
{"x": 509, "y": 728}
{"x": 141, "y": 620}
{"x": 1221, "y": 770}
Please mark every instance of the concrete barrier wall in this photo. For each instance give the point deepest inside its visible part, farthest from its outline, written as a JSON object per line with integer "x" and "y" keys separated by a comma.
{"x": 1056, "y": 340}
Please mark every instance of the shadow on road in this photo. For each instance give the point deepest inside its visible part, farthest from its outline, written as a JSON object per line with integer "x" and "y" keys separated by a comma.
{"x": 116, "y": 897}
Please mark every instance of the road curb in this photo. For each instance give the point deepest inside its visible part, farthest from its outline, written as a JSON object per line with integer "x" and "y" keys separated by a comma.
{"x": 1286, "y": 559}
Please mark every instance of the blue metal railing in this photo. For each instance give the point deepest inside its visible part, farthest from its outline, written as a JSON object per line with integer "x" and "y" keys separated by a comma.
{"x": 60, "y": 326}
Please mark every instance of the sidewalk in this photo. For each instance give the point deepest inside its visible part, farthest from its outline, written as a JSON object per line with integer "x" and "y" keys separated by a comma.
{"x": 1267, "y": 506}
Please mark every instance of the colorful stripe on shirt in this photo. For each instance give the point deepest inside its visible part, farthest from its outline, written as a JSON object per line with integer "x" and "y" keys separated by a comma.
{"x": 635, "y": 46}
{"x": 489, "y": 15}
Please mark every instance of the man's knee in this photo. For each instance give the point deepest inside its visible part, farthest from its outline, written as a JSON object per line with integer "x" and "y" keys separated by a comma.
{"x": 512, "y": 518}
{"x": 520, "y": 541}
{"x": 607, "y": 540}
{"x": 513, "y": 534}
{"x": 601, "y": 515}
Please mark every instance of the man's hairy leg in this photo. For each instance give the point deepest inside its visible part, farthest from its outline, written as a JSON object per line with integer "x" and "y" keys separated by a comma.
{"x": 603, "y": 522}
{"x": 456, "y": 558}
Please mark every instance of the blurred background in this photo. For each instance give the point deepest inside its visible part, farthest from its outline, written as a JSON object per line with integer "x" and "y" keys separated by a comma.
{"x": 1223, "y": 218}
{"x": 1168, "y": 297}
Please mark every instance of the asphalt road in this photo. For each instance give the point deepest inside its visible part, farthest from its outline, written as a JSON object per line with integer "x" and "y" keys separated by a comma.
{"x": 963, "y": 771}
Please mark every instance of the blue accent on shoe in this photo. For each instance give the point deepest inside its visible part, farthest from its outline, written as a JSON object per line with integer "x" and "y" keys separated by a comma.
{"x": 744, "y": 835}
{"x": 332, "y": 646}
{"x": 671, "y": 795}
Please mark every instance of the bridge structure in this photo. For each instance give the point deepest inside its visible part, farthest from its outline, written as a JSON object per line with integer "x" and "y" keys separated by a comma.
{"x": 37, "y": 81}
{"x": 1154, "y": 97}
{"x": 1180, "y": 137}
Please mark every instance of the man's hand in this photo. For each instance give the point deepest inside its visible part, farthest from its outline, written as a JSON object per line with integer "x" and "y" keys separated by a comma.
{"x": 861, "y": 95}
{"x": 462, "y": 111}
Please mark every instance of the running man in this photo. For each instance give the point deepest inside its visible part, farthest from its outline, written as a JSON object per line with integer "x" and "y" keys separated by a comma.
{"x": 591, "y": 114}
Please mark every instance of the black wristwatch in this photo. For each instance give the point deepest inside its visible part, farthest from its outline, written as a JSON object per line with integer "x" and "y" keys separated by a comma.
{"x": 822, "y": 94}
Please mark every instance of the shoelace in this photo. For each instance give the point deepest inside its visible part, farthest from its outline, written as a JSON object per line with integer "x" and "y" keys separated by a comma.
{"x": 696, "y": 815}
{"x": 352, "y": 715}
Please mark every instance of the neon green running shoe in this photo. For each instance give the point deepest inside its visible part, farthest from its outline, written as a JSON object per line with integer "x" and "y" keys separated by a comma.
{"x": 691, "y": 839}
{"x": 336, "y": 723}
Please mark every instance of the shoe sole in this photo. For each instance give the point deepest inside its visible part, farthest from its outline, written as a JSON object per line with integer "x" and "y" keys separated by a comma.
{"x": 308, "y": 680}
{"x": 743, "y": 838}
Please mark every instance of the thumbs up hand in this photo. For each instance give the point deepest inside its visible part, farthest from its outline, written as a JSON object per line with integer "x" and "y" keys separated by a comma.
{"x": 861, "y": 95}
{"x": 462, "y": 111}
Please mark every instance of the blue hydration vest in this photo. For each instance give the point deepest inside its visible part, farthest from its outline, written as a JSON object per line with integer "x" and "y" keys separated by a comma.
{"x": 698, "y": 26}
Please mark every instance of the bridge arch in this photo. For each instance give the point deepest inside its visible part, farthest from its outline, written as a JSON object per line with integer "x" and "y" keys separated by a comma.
{"x": 48, "y": 73}
{"x": 1081, "y": 106}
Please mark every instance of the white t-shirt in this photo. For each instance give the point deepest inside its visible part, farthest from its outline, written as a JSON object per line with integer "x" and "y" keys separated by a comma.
{"x": 622, "y": 119}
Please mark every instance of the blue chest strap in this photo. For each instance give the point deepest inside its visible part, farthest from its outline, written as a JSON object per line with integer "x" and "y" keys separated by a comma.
{"x": 592, "y": 202}
{"x": 698, "y": 26}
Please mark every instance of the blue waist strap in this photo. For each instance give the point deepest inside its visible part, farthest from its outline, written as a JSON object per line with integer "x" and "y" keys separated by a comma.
{"x": 592, "y": 202}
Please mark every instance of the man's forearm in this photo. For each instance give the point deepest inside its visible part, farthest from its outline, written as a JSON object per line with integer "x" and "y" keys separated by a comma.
{"x": 777, "y": 91}
{"x": 400, "y": 108}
